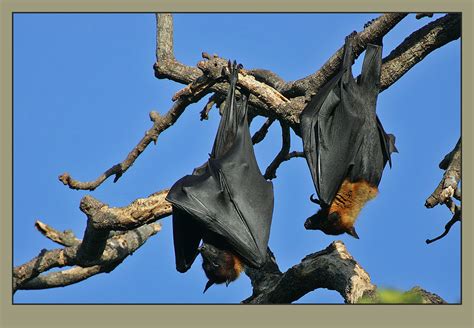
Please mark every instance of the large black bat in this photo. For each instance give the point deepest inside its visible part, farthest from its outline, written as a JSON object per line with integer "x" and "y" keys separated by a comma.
{"x": 226, "y": 202}
{"x": 345, "y": 145}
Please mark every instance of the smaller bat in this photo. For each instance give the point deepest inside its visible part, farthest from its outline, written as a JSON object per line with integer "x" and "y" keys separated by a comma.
{"x": 226, "y": 202}
{"x": 345, "y": 145}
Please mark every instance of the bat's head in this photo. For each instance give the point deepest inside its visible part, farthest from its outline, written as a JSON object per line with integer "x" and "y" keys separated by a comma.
{"x": 330, "y": 223}
{"x": 220, "y": 265}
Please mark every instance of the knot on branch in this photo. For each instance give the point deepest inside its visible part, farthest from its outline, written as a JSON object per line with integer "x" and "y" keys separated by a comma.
{"x": 213, "y": 66}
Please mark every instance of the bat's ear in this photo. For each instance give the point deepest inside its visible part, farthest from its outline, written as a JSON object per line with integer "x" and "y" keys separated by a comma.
{"x": 352, "y": 232}
{"x": 227, "y": 282}
{"x": 209, "y": 284}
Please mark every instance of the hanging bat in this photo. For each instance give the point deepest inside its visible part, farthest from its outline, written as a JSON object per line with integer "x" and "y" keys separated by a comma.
{"x": 345, "y": 145}
{"x": 226, "y": 202}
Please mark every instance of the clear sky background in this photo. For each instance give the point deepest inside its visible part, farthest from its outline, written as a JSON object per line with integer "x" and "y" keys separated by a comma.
{"x": 83, "y": 88}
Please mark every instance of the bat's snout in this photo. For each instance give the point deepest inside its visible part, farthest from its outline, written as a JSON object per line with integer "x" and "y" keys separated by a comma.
{"x": 309, "y": 224}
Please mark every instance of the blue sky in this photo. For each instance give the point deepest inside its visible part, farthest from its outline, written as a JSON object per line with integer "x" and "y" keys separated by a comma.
{"x": 83, "y": 88}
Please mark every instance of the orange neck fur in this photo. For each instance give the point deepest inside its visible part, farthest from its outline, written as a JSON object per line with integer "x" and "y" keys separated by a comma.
{"x": 238, "y": 266}
{"x": 350, "y": 199}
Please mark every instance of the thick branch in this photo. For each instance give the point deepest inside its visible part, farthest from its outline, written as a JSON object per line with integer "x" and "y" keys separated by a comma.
{"x": 373, "y": 32}
{"x": 333, "y": 268}
{"x": 67, "y": 277}
{"x": 164, "y": 33}
{"x": 139, "y": 212}
{"x": 411, "y": 51}
{"x": 116, "y": 250}
{"x": 418, "y": 45}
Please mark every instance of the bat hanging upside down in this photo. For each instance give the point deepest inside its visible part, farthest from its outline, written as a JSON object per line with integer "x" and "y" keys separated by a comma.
{"x": 345, "y": 145}
{"x": 226, "y": 202}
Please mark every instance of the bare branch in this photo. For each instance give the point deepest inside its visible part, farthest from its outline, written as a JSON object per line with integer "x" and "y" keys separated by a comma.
{"x": 294, "y": 154}
{"x": 161, "y": 123}
{"x": 139, "y": 212}
{"x": 333, "y": 268}
{"x": 418, "y": 45}
{"x": 65, "y": 238}
{"x": 422, "y": 15}
{"x": 216, "y": 99}
{"x": 116, "y": 250}
{"x": 449, "y": 183}
{"x": 456, "y": 217}
{"x": 374, "y": 31}
{"x": 164, "y": 37}
{"x": 262, "y": 132}
{"x": 67, "y": 277}
{"x": 270, "y": 173}
{"x": 403, "y": 58}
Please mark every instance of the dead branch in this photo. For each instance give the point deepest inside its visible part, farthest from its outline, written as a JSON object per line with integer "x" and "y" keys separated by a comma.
{"x": 333, "y": 268}
{"x": 270, "y": 172}
{"x": 116, "y": 250}
{"x": 101, "y": 250}
{"x": 274, "y": 105}
{"x": 65, "y": 238}
{"x": 451, "y": 177}
{"x": 448, "y": 188}
{"x": 67, "y": 277}
{"x": 262, "y": 132}
{"x": 139, "y": 212}
{"x": 160, "y": 124}
{"x": 373, "y": 32}
{"x": 417, "y": 46}
{"x": 456, "y": 217}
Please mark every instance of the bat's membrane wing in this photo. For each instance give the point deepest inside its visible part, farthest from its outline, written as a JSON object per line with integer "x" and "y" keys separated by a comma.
{"x": 230, "y": 197}
{"x": 186, "y": 238}
{"x": 330, "y": 131}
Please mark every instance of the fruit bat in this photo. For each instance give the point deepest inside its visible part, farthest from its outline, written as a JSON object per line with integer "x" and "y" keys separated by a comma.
{"x": 226, "y": 202}
{"x": 344, "y": 143}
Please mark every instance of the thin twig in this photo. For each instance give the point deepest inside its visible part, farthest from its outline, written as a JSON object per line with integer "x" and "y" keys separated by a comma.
{"x": 65, "y": 238}
{"x": 160, "y": 124}
{"x": 270, "y": 172}
{"x": 262, "y": 132}
{"x": 456, "y": 217}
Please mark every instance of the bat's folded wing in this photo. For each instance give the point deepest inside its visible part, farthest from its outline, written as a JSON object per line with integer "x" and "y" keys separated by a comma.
{"x": 330, "y": 127}
{"x": 228, "y": 195}
{"x": 231, "y": 199}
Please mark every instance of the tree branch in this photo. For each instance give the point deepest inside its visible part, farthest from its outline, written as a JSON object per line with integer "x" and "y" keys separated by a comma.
{"x": 65, "y": 238}
{"x": 373, "y": 32}
{"x": 116, "y": 250}
{"x": 451, "y": 177}
{"x": 332, "y": 268}
{"x": 262, "y": 132}
{"x": 274, "y": 102}
{"x": 160, "y": 124}
{"x": 417, "y": 46}
{"x": 164, "y": 34}
{"x": 456, "y": 217}
{"x": 270, "y": 172}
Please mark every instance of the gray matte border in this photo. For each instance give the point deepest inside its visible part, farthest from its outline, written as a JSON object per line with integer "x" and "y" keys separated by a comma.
{"x": 230, "y": 315}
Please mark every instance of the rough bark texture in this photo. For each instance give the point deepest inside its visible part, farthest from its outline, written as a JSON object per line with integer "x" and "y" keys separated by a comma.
{"x": 333, "y": 268}
{"x": 448, "y": 188}
{"x": 114, "y": 233}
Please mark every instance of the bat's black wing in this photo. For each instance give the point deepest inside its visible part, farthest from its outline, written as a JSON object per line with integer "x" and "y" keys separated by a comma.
{"x": 330, "y": 128}
{"x": 228, "y": 195}
{"x": 342, "y": 135}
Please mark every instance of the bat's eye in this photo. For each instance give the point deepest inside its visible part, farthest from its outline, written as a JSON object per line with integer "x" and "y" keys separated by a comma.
{"x": 215, "y": 265}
